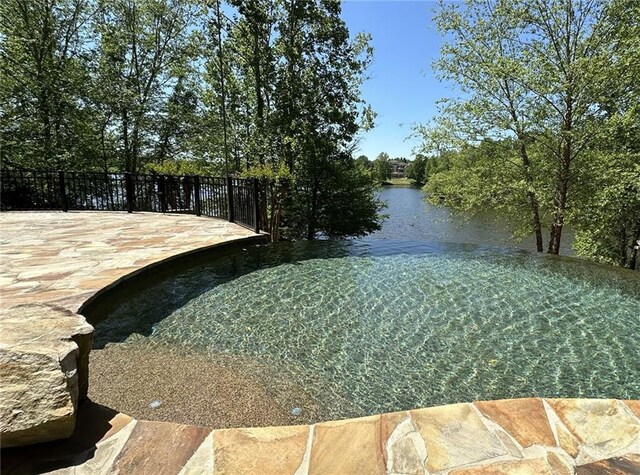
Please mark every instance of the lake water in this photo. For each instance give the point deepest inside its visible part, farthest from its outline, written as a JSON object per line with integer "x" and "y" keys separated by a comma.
{"x": 412, "y": 218}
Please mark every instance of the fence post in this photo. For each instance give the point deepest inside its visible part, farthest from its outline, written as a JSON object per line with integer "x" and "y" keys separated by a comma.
{"x": 196, "y": 191}
{"x": 162, "y": 193}
{"x": 63, "y": 191}
{"x": 128, "y": 185}
{"x": 230, "y": 207}
{"x": 256, "y": 205}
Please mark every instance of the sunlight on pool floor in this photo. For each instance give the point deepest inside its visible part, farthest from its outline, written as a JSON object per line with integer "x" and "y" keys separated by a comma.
{"x": 371, "y": 331}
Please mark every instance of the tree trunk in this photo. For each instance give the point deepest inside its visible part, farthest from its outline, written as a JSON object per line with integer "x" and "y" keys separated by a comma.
{"x": 635, "y": 243}
{"x": 562, "y": 185}
{"x": 560, "y": 199}
{"x": 311, "y": 230}
{"x": 135, "y": 148}
{"x": 526, "y": 164}
{"x": 103, "y": 146}
{"x": 537, "y": 226}
{"x": 533, "y": 200}
{"x": 125, "y": 139}
{"x": 46, "y": 125}
{"x": 259, "y": 98}
{"x": 43, "y": 56}
{"x": 57, "y": 126}
{"x": 247, "y": 134}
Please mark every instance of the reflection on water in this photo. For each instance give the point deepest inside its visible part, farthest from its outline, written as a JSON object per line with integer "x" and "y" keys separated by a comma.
{"x": 412, "y": 218}
{"x": 379, "y": 326}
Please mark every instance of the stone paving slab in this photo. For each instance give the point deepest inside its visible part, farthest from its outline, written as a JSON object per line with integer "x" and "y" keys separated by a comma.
{"x": 455, "y": 439}
{"x": 66, "y": 258}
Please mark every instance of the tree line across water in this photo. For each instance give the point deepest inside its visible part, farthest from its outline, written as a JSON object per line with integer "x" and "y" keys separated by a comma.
{"x": 544, "y": 128}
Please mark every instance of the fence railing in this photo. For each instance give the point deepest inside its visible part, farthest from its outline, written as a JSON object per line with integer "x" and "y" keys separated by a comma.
{"x": 229, "y": 198}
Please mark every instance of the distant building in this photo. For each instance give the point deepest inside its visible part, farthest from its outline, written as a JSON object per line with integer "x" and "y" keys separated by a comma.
{"x": 397, "y": 169}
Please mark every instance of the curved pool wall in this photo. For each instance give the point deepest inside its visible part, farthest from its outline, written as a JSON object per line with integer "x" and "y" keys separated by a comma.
{"x": 380, "y": 327}
{"x": 102, "y": 302}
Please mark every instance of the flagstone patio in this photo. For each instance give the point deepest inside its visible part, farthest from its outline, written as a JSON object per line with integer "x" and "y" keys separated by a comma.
{"x": 66, "y": 258}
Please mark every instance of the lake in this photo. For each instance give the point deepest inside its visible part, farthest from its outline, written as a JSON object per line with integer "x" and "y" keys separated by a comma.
{"x": 412, "y": 218}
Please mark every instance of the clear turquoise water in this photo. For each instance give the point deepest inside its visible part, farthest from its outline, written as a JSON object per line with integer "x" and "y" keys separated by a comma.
{"x": 373, "y": 327}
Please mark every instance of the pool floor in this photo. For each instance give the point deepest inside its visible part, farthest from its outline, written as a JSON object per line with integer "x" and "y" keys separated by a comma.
{"x": 369, "y": 328}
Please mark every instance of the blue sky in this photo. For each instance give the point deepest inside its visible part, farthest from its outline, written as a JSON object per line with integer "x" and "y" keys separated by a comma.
{"x": 403, "y": 89}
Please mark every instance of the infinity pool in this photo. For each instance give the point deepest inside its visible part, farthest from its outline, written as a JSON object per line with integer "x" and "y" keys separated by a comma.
{"x": 370, "y": 327}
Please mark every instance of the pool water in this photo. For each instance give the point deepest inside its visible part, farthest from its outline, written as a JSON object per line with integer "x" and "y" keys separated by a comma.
{"x": 370, "y": 327}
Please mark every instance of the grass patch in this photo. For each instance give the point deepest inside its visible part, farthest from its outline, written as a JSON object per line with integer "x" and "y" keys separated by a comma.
{"x": 399, "y": 182}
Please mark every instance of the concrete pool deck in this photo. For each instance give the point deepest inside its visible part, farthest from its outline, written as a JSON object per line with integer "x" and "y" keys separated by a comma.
{"x": 66, "y": 258}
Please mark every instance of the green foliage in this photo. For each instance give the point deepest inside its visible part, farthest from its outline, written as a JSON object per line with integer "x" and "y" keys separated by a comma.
{"x": 608, "y": 223}
{"x": 275, "y": 183}
{"x": 176, "y": 86}
{"x": 292, "y": 86}
{"x": 381, "y": 169}
{"x": 531, "y": 122}
{"x": 606, "y": 214}
{"x": 481, "y": 177}
{"x": 184, "y": 167}
{"x": 364, "y": 161}
{"x": 417, "y": 169}
{"x": 44, "y": 120}
{"x": 349, "y": 206}
{"x": 142, "y": 62}
{"x": 270, "y": 173}
{"x": 346, "y": 207}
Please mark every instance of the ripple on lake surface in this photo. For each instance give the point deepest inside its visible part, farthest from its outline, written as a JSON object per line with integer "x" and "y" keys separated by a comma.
{"x": 370, "y": 327}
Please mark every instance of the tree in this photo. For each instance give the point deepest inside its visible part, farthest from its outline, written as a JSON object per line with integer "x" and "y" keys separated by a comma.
{"x": 364, "y": 161}
{"x": 317, "y": 99}
{"x": 43, "y": 59}
{"x": 417, "y": 169}
{"x": 349, "y": 206}
{"x": 144, "y": 48}
{"x": 523, "y": 68}
{"x": 567, "y": 34}
{"x": 247, "y": 58}
{"x": 606, "y": 206}
{"x": 608, "y": 220}
{"x": 382, "y": 168}
{"x": 292, "y": 78}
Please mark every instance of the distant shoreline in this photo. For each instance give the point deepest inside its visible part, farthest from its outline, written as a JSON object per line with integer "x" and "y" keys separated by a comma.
{"x": 408, "y": 182}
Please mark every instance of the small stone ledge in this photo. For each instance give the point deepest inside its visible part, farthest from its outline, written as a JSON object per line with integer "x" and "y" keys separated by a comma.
{"x": 44, "y": 369}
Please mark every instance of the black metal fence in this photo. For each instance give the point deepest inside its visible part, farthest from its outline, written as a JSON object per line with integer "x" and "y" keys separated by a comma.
{"x": 230, "y": 198}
